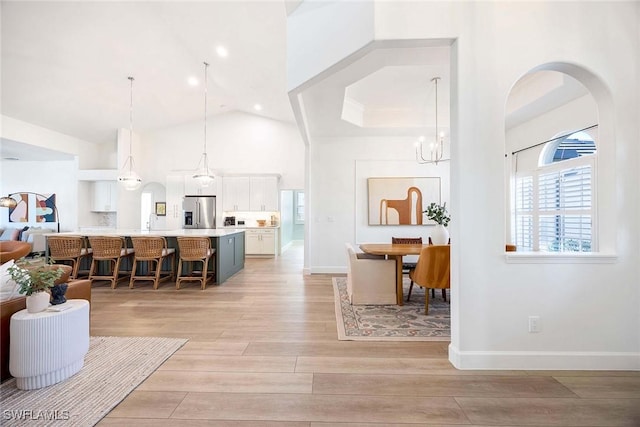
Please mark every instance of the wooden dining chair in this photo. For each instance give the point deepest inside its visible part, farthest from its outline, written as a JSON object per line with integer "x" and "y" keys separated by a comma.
{"x": 69, "y": 250}
{"x": 407, "y": 266}
{"x": 432, "y": 271}
{"x": 152, "y": 251}
{"x": 433, "y": 291}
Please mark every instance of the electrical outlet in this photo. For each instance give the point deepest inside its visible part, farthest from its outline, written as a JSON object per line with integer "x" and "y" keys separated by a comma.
{"x": 534, "y": 324}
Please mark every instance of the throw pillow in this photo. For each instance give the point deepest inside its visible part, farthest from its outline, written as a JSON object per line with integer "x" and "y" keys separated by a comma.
{"x": 10, "y": 234}
{"x": 8, "y": 287}
{"x": 26, "y": 227}
{"x": 29, "y": 232}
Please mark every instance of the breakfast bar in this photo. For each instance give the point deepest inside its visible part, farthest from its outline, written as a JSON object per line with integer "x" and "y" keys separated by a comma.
{"x": 228, "y": 243}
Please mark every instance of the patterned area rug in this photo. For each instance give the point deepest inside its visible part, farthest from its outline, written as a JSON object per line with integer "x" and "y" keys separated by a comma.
{"x": 113, "y": 367}
{"x": 392, "y": 322}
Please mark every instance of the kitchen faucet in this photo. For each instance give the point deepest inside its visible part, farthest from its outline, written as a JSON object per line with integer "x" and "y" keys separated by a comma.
{"x": 152, "y": 216}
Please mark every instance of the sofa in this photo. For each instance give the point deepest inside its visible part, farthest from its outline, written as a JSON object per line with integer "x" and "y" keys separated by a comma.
{"x": 77, "y": 289}
{"x": 371, "y": 279}
{"x": 33, "y": 235}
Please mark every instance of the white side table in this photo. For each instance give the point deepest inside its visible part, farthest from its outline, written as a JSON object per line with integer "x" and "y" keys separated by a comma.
{"x": 48, "y": 347}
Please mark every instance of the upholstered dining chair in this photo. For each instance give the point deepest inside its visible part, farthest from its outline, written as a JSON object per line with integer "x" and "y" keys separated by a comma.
{"x": 195, "y": 249}
{"x": 151, "y": 250}
{"x": 111, "y": 249}
{"x": 432, "y": 270}
{"x": 407, "y": 266}
{"x": 69, "y": 249}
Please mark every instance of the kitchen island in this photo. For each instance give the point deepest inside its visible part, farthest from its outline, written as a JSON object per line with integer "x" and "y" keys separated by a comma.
{"x": 228, "y": 243}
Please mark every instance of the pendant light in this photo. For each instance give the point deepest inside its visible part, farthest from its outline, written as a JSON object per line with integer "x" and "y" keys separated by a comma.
{"x": 436, "y": 148}
{"x": 128, "y": 177}
{"x": 203, "y": 175}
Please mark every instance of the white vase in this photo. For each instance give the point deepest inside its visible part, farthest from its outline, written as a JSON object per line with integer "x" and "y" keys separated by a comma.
{"x": 38, "y": 302}
{"x": 440, "y": 235}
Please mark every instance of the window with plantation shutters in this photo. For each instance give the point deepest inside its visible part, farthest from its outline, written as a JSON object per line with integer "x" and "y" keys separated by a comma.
{"x": 523, "y": 224}
{"x": 565, "y": 211}
{"x": 554, "y": 206}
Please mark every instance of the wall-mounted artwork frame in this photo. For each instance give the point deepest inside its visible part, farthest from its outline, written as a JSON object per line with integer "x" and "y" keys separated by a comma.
{"x": 401, "y": 200}
{"x": 161, "y": 209}
{"x": 33, "y": 207}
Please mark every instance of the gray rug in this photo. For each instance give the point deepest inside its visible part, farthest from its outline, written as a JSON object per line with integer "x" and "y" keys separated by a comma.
{"x": 114, "y": 366}
{"x": 392, "y": 322}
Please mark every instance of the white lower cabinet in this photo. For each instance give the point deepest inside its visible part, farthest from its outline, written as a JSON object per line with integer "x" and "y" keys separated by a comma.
{"x": 260, "y": 242}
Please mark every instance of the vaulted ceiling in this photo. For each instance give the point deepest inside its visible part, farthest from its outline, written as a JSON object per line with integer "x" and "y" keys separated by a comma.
{"x": 65, "y": 67}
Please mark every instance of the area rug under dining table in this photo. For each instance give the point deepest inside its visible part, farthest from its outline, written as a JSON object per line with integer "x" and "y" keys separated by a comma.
{"x": 392, "y": 322}
{"x": 114, "y": 367}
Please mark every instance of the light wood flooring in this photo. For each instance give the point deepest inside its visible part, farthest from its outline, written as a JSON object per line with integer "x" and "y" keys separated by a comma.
{"x": 263, "y": 351}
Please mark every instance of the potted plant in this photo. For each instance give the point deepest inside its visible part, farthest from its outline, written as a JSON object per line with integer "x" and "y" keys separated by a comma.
{"x": 34, "y": 282}
{"x": 438, "y": 214}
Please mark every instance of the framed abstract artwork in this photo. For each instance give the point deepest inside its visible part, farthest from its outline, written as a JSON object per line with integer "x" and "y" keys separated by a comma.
{"x": 33, "y": 207}
{"x": 401, "y": 200}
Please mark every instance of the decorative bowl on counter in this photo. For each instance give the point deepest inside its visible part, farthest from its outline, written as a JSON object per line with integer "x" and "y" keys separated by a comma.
{"x": 261, "y": 222}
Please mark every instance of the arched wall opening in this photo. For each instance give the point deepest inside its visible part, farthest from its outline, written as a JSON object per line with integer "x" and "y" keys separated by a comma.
{"x": 549, "y": 101}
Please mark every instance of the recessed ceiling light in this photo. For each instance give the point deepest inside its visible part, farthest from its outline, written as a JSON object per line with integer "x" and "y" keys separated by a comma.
{"x": 192, "y": 81}
{"x": 257, "y": 107}
{"x": 222, "y": 51}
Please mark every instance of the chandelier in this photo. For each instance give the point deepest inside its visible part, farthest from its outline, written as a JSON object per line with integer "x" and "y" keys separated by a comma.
{"x": 436, "y": 148}
{"x": 203, "y": 175}
{"x": 128, "y": 177}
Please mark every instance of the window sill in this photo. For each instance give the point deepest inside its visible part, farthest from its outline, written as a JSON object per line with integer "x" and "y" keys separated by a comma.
{"x": 559, "y": 258}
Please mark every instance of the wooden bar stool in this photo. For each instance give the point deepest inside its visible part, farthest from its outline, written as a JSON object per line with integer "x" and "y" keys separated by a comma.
{"x": 153, "y": 250}
{"x": 69, "y": 249}
{"x": 195, "y": 249}
{"x": 111, "y": 249}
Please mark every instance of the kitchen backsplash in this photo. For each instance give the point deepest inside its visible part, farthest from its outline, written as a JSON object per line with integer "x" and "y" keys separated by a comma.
{"x": 251, "y": 218}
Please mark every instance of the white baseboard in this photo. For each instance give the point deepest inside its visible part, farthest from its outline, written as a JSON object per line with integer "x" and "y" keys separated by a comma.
{"x": 328, "y": 270}
{"x": 544, "y": 360}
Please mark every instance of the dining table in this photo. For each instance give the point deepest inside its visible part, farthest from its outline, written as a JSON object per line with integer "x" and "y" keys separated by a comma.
{"x": 395, "y": 251}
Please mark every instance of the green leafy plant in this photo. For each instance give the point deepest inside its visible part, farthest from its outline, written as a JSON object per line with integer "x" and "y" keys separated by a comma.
{"x": 34, "y": 279}
{"x": 438, "y": 213}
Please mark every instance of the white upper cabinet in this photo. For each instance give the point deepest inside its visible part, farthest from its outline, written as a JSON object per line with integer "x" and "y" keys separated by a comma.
{"x": 255, "y": 193}
{"x": 105, "y": 196}
{"x": 236, "y": 193}
{"x": 264, "y": 193}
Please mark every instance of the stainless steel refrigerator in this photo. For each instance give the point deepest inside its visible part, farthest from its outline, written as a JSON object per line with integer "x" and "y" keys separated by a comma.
{"x": 199, "y": 212}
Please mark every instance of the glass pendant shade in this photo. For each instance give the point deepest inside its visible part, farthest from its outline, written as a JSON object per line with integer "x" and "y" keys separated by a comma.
{"x": 203, "y": 175}
{"x": 128, "y": 177}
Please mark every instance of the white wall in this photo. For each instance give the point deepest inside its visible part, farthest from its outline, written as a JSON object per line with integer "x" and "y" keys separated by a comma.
{"x": 90, "y": 155}
{"x": 589, "y": 311}
{"x": 314, "y": 42}
{"x": 236, "y": 143}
